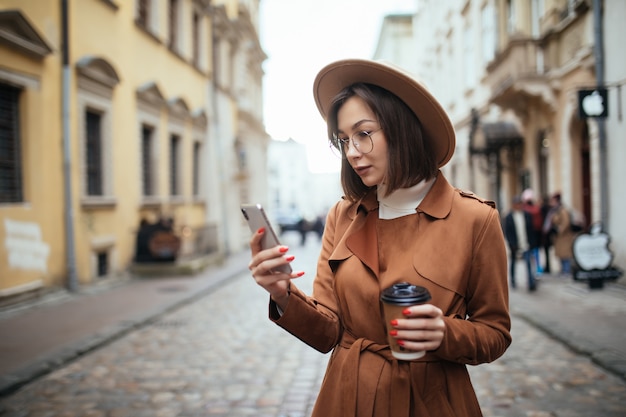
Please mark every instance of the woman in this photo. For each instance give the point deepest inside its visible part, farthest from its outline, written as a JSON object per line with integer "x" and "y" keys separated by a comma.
{"x": 400, "y": 220}
{"x": 559, "y": 222}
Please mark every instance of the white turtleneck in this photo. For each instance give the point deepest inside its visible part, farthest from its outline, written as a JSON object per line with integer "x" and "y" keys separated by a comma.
{"x": 402, "y": 202}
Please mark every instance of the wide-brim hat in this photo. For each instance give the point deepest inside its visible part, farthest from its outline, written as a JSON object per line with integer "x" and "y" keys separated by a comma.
{"x": 436, "y": 124}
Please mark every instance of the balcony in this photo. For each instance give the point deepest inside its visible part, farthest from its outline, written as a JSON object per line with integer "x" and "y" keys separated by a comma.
{"x": 518, "y": 75}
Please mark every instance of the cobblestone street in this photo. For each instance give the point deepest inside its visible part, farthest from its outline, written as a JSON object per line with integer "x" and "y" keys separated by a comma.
{"x": 220, "y": 356}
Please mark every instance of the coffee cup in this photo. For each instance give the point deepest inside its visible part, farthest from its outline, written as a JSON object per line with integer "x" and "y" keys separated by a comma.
{"x": 395, "y": 299}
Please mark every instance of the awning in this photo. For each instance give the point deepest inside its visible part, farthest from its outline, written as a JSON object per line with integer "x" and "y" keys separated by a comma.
{"x": 491, "y": 137}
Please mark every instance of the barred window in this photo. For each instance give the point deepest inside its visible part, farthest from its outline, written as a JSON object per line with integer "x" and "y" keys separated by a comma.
{"x": 174, "y": 155}
{"x": 10, "y": 152}
{"x": 196, "y": 168}
{"x": 146, "y": 160}
{"x": 173, "y": 24}
{"x": 195, "y": 33}
{"x": 93, "y": 156}
{"x": 143, "y": 12}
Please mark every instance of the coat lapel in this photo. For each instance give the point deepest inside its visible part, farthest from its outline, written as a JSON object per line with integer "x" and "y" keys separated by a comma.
{"x": 359, "y": 236}
{"x": 364, "y": 242}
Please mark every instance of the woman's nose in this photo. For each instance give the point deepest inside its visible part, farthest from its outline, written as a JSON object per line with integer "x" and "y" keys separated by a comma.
{"x": 352, "y": 151}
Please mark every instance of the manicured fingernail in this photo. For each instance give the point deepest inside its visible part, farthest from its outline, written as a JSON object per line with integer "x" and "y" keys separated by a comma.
{"x": 406, "y": 312}
{"x": 400, "y": 342}
{"x": 393, "y": 332}
{"x": 290, "y": 258}
{"x": 261, "y": 230}
{"x": 300, "y": 273}
{"x": 394, "y": 322}
{"x": 283, "y": 249}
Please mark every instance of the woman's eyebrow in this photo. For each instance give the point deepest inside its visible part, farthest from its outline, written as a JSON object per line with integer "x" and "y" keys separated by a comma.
{"x": 358, "y": 124}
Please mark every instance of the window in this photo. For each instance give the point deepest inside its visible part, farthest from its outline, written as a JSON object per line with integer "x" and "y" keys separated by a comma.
{"x": 488, "y": 18}
{"x": 196, "y": 168}
{"x": 536, "y": 12}
{"x": 96, "y": 81}
{"x": 146, "y": 160}
{"x": 149, "y": 104}
{"x": 196, "y": 39}
{"x": 10, "y": 154}
{"x": 242, "y": 160}
{"x": 93, "y": 153}
{"x": 143, "y": 13}
{"x": 174, "y": 155}
{"x": 510, "y": 13}
{"x": 173, "y": 24}
{"x": 102, "y": 264}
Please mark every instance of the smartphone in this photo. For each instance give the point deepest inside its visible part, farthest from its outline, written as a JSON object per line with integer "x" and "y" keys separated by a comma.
{"x": 256, "y": 218}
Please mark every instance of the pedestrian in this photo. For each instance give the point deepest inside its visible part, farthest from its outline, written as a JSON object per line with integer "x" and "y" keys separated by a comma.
{"x": 546, "y": 235}
{"x": 520, "y": 236}
{"x": 529, "y": 206}
{"x": 399, "y": 221}
{"x": 559, "y": 224}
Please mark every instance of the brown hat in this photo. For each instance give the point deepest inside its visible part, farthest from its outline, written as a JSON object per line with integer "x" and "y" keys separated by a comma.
{"x": 436, "y": 125}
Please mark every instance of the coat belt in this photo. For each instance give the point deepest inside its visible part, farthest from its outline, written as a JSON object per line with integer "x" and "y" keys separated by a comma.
{"x": 400, "y": 401}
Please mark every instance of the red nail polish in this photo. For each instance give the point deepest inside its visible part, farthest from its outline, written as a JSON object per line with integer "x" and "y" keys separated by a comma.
{"x": 400, "y": 342}
{"x": 290, "y": 258}
{"x": 283, "y": 249}
{"x": 406, "y": 312}
{"x": 300, "y": 273}
{"x": 394, "y": 322}
{"x": 261, "y": 230}
{"x": 393, "y": 332}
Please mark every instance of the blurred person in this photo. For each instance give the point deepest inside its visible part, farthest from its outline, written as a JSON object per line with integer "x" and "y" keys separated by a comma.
{"x": 529, "y": 206}
{"x": 520, "y": 236}
{"x": 546, "y": 235}
{"x": 399, "y": 221}
{"x": 559, "y": 223}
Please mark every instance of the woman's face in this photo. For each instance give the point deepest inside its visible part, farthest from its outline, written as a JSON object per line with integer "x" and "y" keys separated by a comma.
{"x": 355, "y": 116}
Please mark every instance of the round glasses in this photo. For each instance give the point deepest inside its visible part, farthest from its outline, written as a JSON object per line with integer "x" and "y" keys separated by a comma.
{"x": 362, "y": 142}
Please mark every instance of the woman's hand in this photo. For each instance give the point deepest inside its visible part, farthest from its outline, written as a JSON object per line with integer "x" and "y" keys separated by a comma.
{"x": 422, "y": 328}
{"x": 262, "y": 264}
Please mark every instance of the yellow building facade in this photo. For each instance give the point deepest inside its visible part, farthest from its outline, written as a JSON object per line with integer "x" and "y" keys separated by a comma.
{"x": 112, "y": 128}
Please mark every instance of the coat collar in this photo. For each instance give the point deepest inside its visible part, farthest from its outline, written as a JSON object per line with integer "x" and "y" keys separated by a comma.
{"x": 436, "y": 204}
{"x": 361, "y": 237}
{"x": 438, "y": 201}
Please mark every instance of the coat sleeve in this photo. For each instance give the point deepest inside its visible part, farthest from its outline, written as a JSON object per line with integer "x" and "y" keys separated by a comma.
{"x": 484, "y": 334}
{"x": 315, "y": 320}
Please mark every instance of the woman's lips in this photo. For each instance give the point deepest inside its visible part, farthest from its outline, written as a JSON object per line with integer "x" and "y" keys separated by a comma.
{"x": 361, "y": 170}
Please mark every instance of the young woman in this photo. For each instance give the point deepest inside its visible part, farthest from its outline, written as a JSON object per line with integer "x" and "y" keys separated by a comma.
{"x": 400, "y": 221}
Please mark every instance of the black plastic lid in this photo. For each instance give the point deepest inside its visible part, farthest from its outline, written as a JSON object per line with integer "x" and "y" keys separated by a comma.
{"x": 405, "y": 293}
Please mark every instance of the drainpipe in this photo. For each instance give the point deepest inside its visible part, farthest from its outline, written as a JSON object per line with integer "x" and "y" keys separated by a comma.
{"x": 598, "y": 51}
{"x": 72, "y": 281}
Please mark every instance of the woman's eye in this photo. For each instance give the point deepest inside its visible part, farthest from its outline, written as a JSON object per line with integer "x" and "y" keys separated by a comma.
{"x": 362, "y": 135}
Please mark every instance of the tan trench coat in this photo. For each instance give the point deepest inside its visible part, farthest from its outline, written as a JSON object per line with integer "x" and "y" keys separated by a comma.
{"x": 453, "y": 246}
{"x": 564, "y": 237}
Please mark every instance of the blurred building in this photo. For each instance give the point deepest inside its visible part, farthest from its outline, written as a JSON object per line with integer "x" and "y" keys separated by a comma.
{"x": 294, "y": 190}
{"x": 120, "y": 112}
{"x": 509, "y": 73}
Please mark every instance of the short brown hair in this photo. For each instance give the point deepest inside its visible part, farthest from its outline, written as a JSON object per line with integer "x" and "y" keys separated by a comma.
{"x": 411, "y": 159}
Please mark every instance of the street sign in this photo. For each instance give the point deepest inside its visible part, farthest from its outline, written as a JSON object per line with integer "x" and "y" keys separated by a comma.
{"x": 594, "y": 258}
{"x": 593, "y": 103}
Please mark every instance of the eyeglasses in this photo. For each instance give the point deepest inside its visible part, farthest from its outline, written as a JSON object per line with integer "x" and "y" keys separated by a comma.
{"x": 362, "y": 142}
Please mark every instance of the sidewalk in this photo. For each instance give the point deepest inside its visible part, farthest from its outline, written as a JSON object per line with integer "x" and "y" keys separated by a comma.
{"x": 44, "y": 337}
{"x": 64, "y": 326}
{"x": 591, "y": 322}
